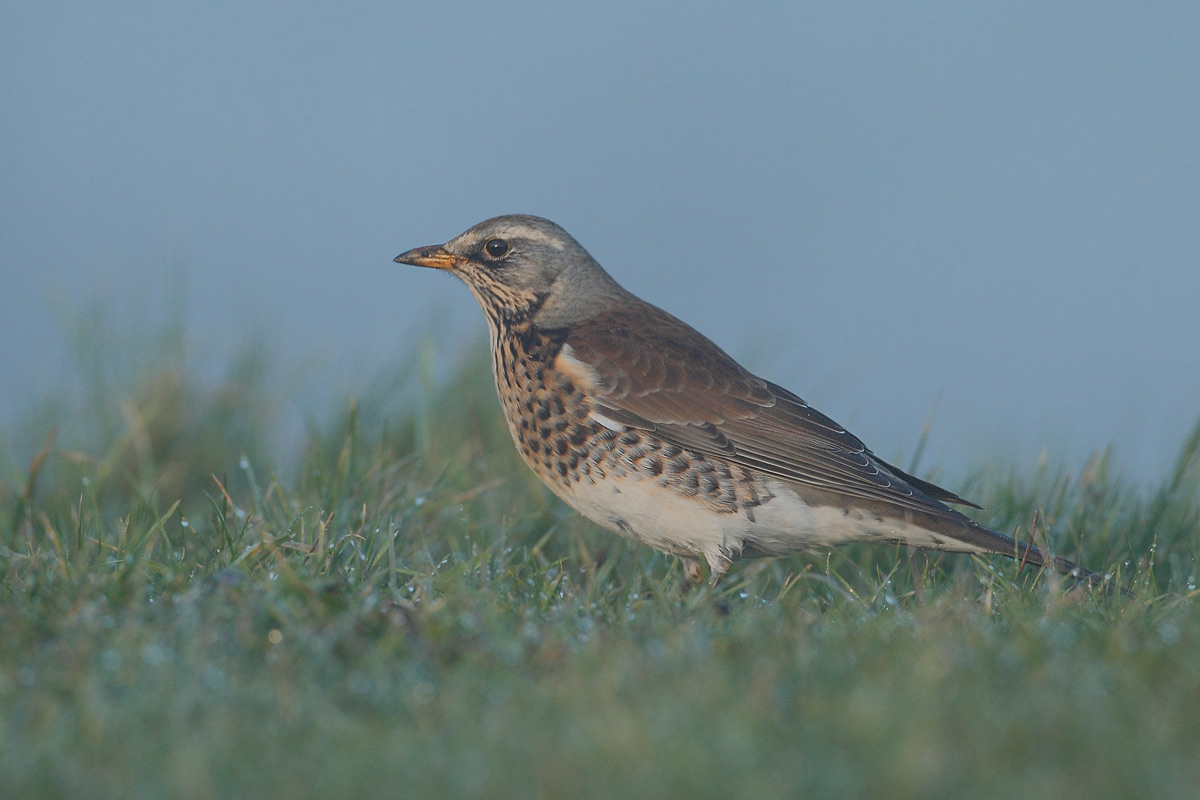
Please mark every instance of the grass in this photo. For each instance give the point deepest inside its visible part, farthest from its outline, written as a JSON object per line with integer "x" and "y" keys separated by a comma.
{"x": 398, "y": 608}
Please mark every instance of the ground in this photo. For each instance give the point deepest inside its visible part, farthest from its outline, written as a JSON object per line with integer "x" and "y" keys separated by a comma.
{"x": 397, "y": 608}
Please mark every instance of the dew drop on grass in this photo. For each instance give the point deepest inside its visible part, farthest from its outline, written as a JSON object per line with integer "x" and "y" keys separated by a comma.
{"x": 111, "y": 660}
{"x": 359, "y": 682}
{"x": 154, "y": 654}
{"x": 419, "y": 501}
{"x": 214, "y": 678}
{"x": 423, "y": 692}
{"x": 183, "y": 523}
{"x": 244, "y": 463}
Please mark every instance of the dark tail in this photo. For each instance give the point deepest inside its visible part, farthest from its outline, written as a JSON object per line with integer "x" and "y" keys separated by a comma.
{"x": 1027, "y": 553}
{"x": 964, "y": 529}
{"x": 981, "y": 539}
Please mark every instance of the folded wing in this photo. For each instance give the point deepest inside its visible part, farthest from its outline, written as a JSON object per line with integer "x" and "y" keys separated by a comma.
{"x": 672, "y": 380}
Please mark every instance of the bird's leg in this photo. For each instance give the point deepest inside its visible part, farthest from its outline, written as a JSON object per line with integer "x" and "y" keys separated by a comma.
{"x": 718, "y": 565}
{"x": 693, "y": 573}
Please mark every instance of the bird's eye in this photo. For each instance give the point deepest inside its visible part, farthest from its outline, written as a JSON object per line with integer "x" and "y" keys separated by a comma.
{"x": 496, "y": 248}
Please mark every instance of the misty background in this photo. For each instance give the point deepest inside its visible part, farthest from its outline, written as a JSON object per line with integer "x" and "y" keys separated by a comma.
{"x": 987, "y": 214}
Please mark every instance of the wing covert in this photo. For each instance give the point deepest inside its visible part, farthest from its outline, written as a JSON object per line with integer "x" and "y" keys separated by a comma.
{"x": 665, "y": 377}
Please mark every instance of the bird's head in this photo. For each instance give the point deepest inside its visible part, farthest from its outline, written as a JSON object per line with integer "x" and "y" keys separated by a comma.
{"x": 522, "y": 267}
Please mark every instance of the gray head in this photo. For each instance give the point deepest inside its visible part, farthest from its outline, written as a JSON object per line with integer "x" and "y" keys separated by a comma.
{"x": 521, "y": 267}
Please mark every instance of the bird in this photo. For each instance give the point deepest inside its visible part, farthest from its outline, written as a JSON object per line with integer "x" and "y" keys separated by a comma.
{"x": 644, "y": 425}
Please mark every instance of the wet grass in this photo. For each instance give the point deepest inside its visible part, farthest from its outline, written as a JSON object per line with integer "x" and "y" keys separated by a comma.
{"x": 398, "y": 608}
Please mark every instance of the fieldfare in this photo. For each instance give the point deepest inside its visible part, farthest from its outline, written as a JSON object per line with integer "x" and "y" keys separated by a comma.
{"x": 645, "y": 426}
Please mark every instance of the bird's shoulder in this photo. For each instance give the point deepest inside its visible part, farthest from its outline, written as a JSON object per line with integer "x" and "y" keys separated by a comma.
{"x": 641, "y": 351}
{"x": 652, "y": 369}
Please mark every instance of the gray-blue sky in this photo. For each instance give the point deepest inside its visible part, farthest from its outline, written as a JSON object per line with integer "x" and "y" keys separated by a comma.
{"x": 883, "y": 207}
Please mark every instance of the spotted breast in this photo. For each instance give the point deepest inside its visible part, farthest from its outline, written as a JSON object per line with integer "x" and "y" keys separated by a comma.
{"x": 584, "y": 461}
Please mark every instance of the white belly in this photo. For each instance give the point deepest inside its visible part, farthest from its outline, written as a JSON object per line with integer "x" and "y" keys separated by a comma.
{"x": 636, "y": 507}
